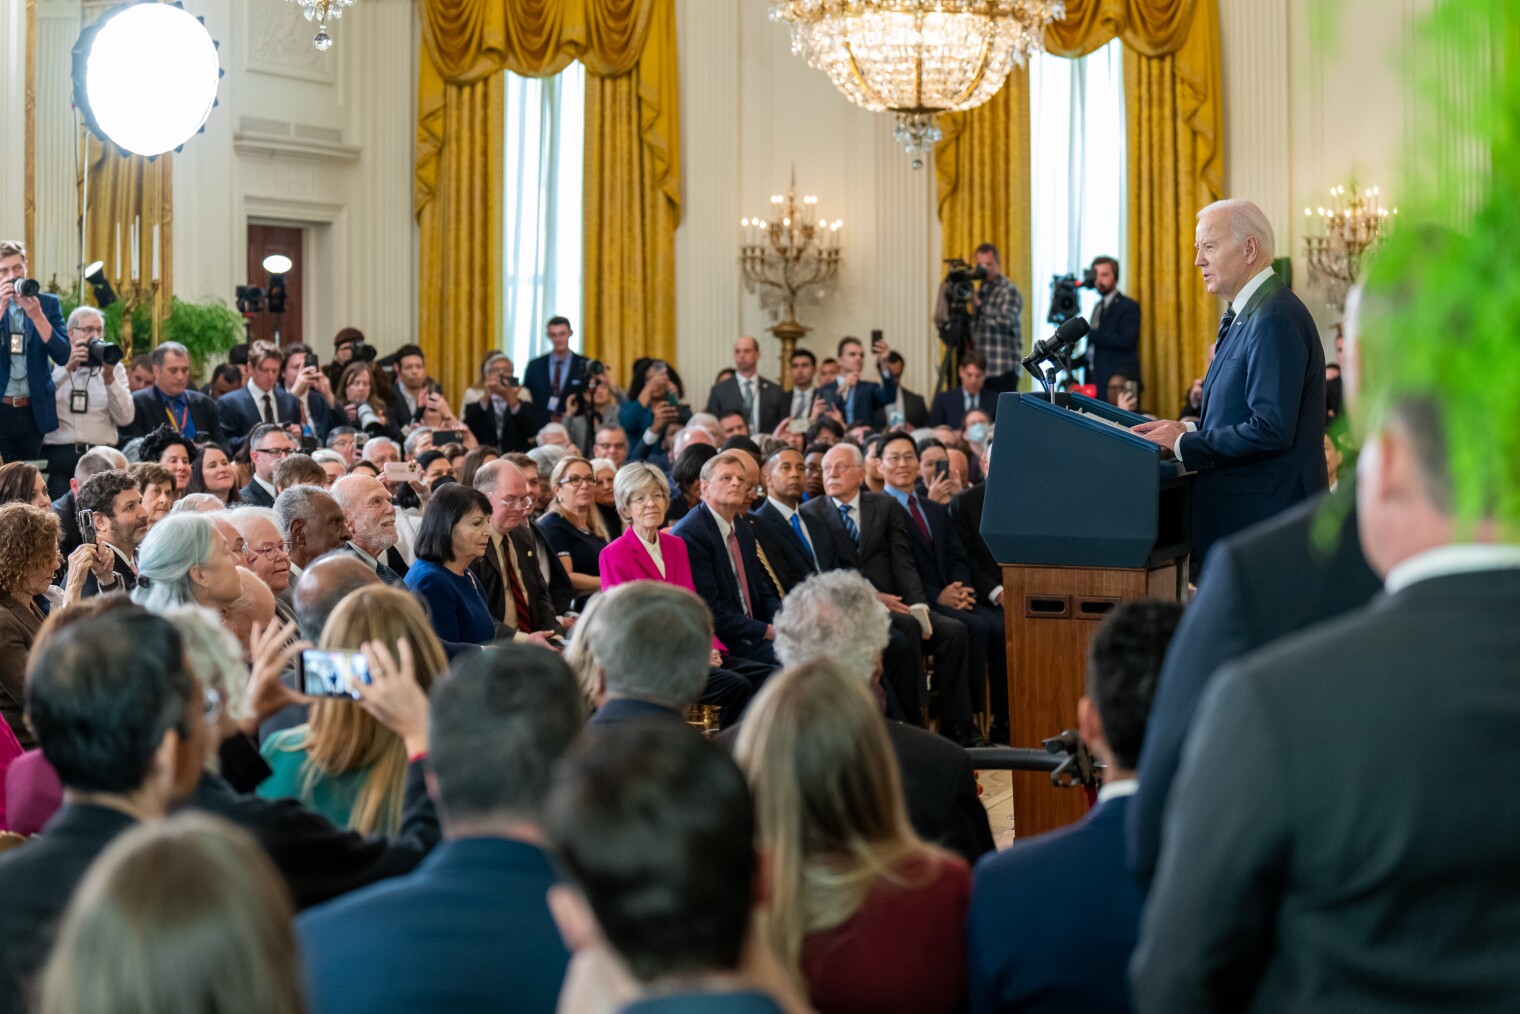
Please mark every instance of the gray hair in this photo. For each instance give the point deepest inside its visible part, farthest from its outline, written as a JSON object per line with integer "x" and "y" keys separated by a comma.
{"x": 240, "y": 516}
{"x": 547, "y": 457}
{"x": 652, "y": 640}
{"x": 298, "y": 503}
{"x": 856, "y": 456}
{"x": 85, "y": 311}
{"x": 373, "y": 444}
{"x": 708, "y": 422}
{"x": 835, "y": 615}
{"x": 597, "y": 464}
{"x": 489, "y": 475}
{"x": 164, "y": 348}
{"x": 214, "y": 654}
{"x": 634, "y": 478}
{"x": 326, "y": 454}
{"x": 99, "y": 459}
{"x": 552, "y": 428}
{"x": 197, "y": 503}
{"x": 710, "y": 466}
{"x": 1245, "y": 221}
{"x": 682, "y": 439}
{"x": 173, "y": 546}
{"x": 414, "y": 438}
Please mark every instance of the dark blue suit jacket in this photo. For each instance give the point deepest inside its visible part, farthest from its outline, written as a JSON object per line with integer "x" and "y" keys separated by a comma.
{"x": 714, "y": 578}
{"x": 239, "y": 413}
{"x": 537, "y": 380}
{"x": 322, "y": 414}
{"x": 1114, "y": 345}
{"x": 39, "y": 372}
{"x": 950, "y": 407}
{"x": 625, "y": 710}
{"x": 868, "y": 403}
{"x": 1053, "y": 921}
{"x": 944, "y": 561}
{"x": 787, "y": 556}
{"x": 468, "y": 931}
{"x": 153, "y": 412}
{"x": 1260, "y": 442}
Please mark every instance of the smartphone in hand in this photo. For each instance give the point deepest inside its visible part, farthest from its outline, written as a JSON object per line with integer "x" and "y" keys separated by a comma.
{"x": 327, "y": 673}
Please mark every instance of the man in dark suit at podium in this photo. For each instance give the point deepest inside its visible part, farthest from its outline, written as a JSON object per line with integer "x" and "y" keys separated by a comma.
{"x": 1259, "y": 445}
{"x": 1113, "y": 344}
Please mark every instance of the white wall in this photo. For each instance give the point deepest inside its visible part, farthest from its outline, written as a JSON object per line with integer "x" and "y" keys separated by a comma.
{"x": 750, "y": 111}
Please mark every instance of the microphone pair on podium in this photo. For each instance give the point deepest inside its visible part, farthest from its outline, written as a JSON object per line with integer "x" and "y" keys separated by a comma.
{"x": 1066, "y": 337}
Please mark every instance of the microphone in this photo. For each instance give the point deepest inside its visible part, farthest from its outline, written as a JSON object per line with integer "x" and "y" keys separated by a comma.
{"x": 1066, "y": 336}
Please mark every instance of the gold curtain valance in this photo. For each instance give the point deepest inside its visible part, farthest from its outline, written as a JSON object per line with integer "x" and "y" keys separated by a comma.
{"x": 1149, "y": 27}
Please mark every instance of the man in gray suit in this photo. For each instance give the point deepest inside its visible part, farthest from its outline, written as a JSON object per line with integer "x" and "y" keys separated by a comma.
{"x": 762, "y": 402}
{"x": 1318, "y": 855}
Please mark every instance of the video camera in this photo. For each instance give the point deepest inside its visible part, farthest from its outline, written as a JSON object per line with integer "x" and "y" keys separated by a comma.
{"x": 961, "y": 276}
{"x": 1064, "y": 304}
{"x": 361, "y": 351}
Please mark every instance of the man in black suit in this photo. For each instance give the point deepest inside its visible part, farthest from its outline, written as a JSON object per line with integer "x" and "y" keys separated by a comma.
{"x": 170, "y": 400}
{"x": 966, "y": 511}
{"x": 1268, "y": 582}
{"x": 950, "y": 407}
{"x": 268, "y": 445}
{"x": 909, "y": 406}
{"x": 1375, "y": 880}
{"x": 508, "y": 572}
{"x": 125, "y": 672}
{"x": 1113, "y": 344}
{"x": 501, "y": 419}
{"x": 120, "y": 525}
{"x": 1259, "y": 445}
{"x": 308, "y": 385}
{"x": 804, "y": 390}
{"x": 725, "y": 566}
{"x": 860, "y": 401}
{"x": 761, "y": 402}
{"x": 33, "y": 336}
{"x": 409, "y": 394}
{"x": 945, "y": 571}
{"x": 838, "y": 616}
{"x": 510, "y": 713}
{"x": 555, "y": 375}
{"x": 796, "y": 544}
{"x": 259, "y": 401}
{"x": 870, "y": 535}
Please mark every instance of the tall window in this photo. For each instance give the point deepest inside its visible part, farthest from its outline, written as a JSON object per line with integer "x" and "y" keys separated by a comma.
{"x": 543, "y": 151}
{"x": 1076, "y": 129}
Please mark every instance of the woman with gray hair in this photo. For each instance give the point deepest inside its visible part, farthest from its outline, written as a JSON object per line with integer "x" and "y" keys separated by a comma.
{"x": 185, "y": 560}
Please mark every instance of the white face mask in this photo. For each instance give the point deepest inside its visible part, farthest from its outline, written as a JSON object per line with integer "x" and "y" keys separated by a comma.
{"x": 976, "y": 432}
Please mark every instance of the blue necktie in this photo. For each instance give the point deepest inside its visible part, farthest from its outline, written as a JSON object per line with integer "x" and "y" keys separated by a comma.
{"x": 849, "y": 525}
{"x": 806, "y": 549}
{"x": 181, "y": 416}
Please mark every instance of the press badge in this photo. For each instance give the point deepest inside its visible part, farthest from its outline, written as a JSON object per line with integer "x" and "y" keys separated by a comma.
{"x": 79, "y": 401}
{"x": 18, "y": 343}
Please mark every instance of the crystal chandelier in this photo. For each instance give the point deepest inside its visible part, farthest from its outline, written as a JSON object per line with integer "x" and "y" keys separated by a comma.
{"x": 1349, "y": 229}
{"x": 917, "y": 58}
{"x": 322, "y": 11}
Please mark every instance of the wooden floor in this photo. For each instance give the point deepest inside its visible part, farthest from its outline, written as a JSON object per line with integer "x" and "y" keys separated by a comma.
{"x": 997, "y": 797}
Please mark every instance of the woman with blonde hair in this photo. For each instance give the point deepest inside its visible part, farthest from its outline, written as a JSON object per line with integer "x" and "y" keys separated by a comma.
{"x": 184, "y": 914}
{"x": 864, "y": 913}
{"x": 573, "y": 526}
{"x": 342, "y": 762}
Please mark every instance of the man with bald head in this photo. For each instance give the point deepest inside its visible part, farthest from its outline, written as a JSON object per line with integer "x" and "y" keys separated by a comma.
{"x": 254, "y": 607}
{"x": 508, "y": 572}
{"x": 1258, "y": 445}
{"x": 761, "y": 402}
{"x": 264, "y": 551}
{"x": 371, "y": 519}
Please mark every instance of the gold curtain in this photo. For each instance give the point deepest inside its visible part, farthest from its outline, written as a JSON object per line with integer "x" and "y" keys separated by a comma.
{"x": 1173, "y": 102}
{"x": 632, "y": 174}
{"x": 981, "y": 169}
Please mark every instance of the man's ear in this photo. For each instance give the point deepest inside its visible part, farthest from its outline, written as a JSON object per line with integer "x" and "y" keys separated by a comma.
{"x": 1089, "y": 725}
{"x": 577, "y": 926}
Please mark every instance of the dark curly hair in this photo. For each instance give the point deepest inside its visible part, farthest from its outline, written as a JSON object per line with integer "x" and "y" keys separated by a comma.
{"x": 160, "y": 440}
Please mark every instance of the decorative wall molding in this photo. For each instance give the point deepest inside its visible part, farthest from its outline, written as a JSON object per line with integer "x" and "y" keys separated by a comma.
{"x": 275, "y": 146}
{"x": 279, "y": 43}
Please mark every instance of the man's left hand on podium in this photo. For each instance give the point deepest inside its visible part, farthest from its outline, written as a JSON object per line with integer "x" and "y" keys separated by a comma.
{"x": 1163, "y": 432}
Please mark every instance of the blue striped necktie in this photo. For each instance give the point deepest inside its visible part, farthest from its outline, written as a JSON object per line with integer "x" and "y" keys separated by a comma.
{"x": 849, "y": 524}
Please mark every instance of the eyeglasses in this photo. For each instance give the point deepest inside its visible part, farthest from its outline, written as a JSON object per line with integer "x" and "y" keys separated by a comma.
{"x": 640, "y": 499}
{"x": 576, "y": 480}
{"x": 211, "y": 706}
{"x": 268, "y": 552}
{"x": 899, "y": 459}
{"x": 516, "y": 501}
{"x": 240, "y": 548}
{"x": 88, "y": 332}
{"x": 278, "y": 452}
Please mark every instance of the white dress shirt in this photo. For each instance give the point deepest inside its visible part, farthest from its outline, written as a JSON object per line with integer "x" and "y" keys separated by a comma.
{"x": 724, "y": 527}
{"x": 109, "y": 406}
{"x": 258, "y": 394}
{"x": 1444, "y": 561}
{"x": 753, "y": 382}
{"x": 656, "y": 553}
{"x": 786, "y": 515}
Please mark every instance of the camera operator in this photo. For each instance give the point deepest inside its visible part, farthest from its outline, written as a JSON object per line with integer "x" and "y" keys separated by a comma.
{"x": 1113, "y": 344}
{"x": 92, "y": 398}
{"x": 501, "y": 419}
{"x": 348, "y": 346}
{"x": 995, "y": 329}
{"x": 31, "y": 333}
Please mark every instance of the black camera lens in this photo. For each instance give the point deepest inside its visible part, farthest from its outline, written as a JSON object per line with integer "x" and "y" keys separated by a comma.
{"x": 363, "y": 351}
{"x": 102, "y": 353}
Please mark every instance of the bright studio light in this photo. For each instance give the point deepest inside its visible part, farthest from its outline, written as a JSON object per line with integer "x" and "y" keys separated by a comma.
{"x": 150, "y": 77}
{"x": 277, "y": 264}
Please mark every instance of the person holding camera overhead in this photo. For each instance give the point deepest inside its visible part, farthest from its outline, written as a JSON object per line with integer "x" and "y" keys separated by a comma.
{"x": 552, "y": 377}
{"x": 32, "y": 332}
{"x": 92, "y": 398}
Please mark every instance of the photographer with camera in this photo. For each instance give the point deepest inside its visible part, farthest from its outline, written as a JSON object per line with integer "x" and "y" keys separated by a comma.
{"x": 92, "y": 398}
{"x": 349, "y": 346}
{"x": 1113, "y": 344}
{"x": 501, "y": 419}
{"x": 994, "y": 310}
{"x": 555, "y": 375}
{"x": 32, "y": 332}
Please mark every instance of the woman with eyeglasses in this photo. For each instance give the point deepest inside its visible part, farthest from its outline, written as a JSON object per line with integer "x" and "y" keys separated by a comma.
{"x": 573, "y": 526}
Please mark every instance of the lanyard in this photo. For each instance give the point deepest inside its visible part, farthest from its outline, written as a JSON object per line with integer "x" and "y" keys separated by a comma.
{"x": 178, "y": 424}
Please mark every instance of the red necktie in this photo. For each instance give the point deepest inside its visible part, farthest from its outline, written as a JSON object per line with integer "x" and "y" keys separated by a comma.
{"x": 733, "y": 554}
{"x": 519, "y": 597}
{"x": 559, "y": 375}
{"x": 918, "y": 518}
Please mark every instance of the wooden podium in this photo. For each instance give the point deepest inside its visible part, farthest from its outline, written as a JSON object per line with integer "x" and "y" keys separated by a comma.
{"x": 1083, "y": 515}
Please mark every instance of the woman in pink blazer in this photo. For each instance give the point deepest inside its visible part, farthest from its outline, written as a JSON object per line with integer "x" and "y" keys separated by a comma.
{"x": 643, "y": 552}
